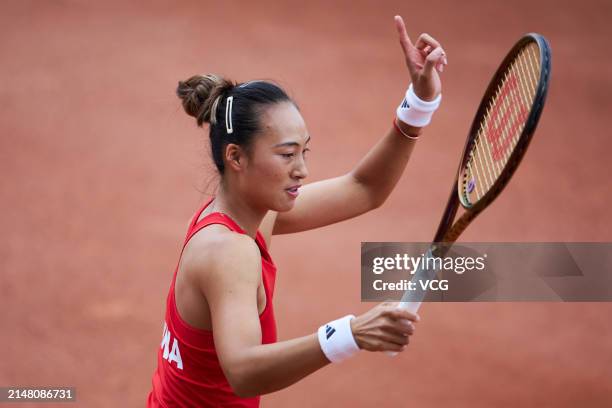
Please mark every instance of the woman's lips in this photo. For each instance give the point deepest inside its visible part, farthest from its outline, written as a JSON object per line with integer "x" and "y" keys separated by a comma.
{"x": 293, "y": 191}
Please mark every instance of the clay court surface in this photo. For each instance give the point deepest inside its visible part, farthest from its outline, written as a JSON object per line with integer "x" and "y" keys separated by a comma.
{"x": 101, "y": 171}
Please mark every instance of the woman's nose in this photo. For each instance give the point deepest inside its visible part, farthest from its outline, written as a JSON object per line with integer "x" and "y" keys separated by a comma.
{"x": 300, "y": 171}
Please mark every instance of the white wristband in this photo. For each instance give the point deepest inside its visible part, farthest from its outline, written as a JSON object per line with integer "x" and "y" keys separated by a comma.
{"x": 416, "y": 112}
{"x": 336, "y": 339}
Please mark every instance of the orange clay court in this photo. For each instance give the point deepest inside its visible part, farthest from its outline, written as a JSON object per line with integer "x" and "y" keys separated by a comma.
{"x": 102, "y": 171}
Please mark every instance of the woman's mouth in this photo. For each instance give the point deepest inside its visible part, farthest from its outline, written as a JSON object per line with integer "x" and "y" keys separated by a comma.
{"x": 293, "y": 191}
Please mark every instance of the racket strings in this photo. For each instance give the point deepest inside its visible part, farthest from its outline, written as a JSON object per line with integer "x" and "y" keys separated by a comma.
{"x": 502, "y": 124}
{"x": 508, "y": 100}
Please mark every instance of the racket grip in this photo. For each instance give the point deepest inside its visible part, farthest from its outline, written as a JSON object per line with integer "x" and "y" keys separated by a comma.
{"x": 412, "y": 307}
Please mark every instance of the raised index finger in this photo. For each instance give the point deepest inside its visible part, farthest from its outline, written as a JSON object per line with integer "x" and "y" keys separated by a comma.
{"x": 403, "y": 34}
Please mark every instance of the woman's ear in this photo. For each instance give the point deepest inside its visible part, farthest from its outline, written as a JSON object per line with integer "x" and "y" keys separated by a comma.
{"x": 234, "y": 157}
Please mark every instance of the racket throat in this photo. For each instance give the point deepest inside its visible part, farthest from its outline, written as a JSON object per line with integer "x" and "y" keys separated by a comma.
{"x": 459, "y": 227}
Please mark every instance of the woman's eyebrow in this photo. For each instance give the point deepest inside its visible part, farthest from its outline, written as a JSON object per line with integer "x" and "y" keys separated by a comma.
{"x": 291, "y": 143}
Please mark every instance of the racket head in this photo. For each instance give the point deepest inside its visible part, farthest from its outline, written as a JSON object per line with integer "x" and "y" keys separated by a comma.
{"x": 504, "y": 123}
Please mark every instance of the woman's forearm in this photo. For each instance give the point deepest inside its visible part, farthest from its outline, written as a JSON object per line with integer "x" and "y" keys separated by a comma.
{"x": 380, "y": 170}
{"x": 266, "y": 368}
{"x": 271, "y": 367}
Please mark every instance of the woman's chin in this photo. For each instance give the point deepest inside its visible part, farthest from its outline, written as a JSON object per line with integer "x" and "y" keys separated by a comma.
{"x": 284, "y": 206}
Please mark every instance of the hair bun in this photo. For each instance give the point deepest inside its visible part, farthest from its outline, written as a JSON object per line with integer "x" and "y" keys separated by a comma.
{"x": 199, "y": 95}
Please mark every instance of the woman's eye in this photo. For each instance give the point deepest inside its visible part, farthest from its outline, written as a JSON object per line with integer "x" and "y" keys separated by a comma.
{"x": 291, "y": 155}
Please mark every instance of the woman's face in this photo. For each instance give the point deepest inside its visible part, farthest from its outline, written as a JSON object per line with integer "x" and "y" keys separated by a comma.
{"x": 276, "y": 161}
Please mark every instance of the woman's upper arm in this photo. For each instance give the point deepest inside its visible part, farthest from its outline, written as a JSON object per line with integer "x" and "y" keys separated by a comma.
{"x": 325, "y": 202}
{"x": 230, "y": 284}
{"x": 267, "y": 227}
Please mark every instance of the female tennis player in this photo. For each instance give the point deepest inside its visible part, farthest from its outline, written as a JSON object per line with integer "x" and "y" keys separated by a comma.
{"x": 219, "y": 345}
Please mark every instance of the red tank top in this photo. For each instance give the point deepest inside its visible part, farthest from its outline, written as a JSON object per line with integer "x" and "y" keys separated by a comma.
{"x": 188, "y": 372}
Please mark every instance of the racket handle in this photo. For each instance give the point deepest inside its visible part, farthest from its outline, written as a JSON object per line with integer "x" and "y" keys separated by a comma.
{"x": 412, "y": 307}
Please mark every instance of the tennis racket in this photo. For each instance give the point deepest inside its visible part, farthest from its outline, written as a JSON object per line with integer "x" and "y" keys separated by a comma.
{"x": 498, "y": 139}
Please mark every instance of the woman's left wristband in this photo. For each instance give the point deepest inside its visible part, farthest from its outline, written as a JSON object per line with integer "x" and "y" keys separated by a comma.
{"x": 415, "y": 111}
{"x": 336, "y": 339}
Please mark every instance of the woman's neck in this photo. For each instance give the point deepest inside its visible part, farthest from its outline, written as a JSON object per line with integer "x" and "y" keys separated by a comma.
{"x": 231, "y": 205}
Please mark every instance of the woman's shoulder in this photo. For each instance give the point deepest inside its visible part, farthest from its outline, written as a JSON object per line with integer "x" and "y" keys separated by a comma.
{"x": 215, "y": 249}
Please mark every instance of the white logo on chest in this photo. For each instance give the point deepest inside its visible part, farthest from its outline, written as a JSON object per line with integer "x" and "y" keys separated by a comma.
{"x": 174, "y": 354}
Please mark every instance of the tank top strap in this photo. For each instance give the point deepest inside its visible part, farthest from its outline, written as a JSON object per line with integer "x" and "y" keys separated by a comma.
{"x": 213, "y": 218}
{"x": 263, "y": 248}
{"x": 220, "y": 218}
{"x": 195, "y": 217}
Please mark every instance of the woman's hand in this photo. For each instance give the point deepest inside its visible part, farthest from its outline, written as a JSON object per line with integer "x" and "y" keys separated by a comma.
{"x": 425, "y": 60}
{"x": 384, "y": 328}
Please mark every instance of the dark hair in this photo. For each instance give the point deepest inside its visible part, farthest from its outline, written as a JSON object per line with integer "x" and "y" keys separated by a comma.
{"x": 205, "y": 98}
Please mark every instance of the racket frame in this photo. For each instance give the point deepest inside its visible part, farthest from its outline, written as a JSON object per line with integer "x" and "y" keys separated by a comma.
{"x": 447, "y": 231}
